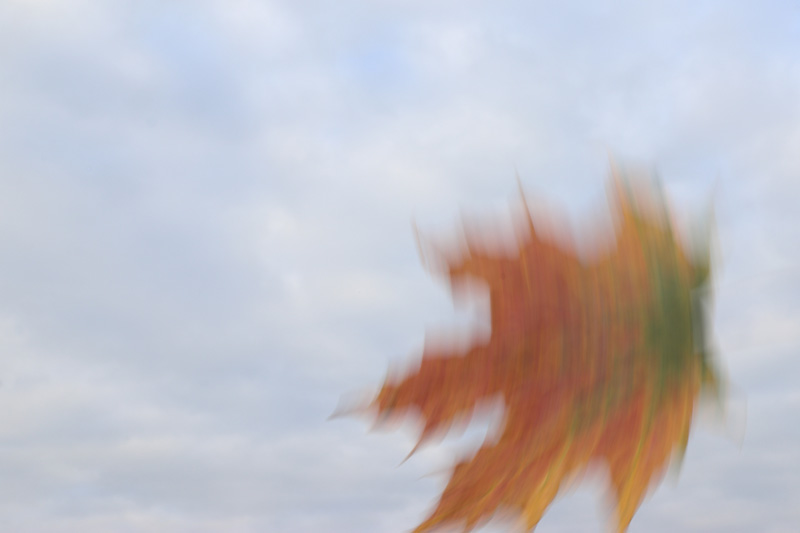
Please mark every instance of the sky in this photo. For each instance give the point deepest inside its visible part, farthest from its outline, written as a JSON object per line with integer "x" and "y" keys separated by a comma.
{"x": 206, "y": 242}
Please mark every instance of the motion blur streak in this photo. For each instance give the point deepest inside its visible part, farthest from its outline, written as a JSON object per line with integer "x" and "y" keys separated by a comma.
{"x": 600, "y": 360}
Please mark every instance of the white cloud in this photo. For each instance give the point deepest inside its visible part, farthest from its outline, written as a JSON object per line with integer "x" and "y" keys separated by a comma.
{"x": 205, "y": 233}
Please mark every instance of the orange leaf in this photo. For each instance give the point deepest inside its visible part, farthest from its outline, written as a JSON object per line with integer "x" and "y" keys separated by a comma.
{"x": 595, "y": 361}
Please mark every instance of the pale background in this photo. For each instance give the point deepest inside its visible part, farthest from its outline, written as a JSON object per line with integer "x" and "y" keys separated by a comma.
{"x": 206, "y": 239}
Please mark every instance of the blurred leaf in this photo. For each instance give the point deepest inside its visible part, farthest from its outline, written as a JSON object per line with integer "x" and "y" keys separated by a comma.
{"x": 597, "y": 362}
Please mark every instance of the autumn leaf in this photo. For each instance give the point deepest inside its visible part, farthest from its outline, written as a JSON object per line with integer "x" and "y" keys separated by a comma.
{"x": 598, "y": 361}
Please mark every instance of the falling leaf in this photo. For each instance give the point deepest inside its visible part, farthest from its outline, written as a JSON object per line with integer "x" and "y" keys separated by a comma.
{"x": 599, "y": 362}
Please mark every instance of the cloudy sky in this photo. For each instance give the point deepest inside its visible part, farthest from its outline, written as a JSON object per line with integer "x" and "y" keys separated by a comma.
{"x": 206, "y": 240}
